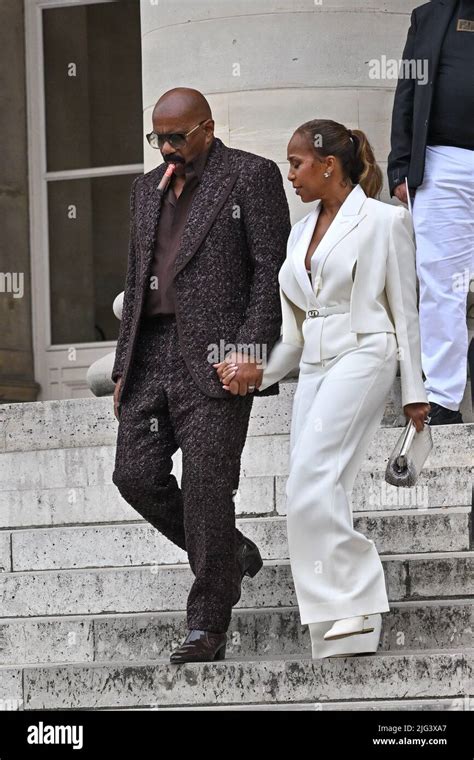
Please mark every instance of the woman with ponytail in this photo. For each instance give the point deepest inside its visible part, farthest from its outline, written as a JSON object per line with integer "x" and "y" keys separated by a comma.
{"x": 349, "y": 308}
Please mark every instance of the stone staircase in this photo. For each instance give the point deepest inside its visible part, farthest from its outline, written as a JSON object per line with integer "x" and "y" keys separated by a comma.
{"x": 92, "y": 597}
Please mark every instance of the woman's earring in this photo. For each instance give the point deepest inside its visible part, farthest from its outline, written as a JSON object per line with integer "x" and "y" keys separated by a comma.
{"x": 327, "y": 174}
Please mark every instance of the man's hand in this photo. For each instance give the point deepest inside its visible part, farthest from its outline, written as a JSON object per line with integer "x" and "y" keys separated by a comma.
{"x": 239, "y": 375}
{"x": 116, "y": 396}
{"x": 417, "y": 412}
{"x": 400, "y": 192}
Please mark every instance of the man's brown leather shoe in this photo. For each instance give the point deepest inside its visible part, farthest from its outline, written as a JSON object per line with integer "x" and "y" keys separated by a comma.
{"x": 200, "y": 646}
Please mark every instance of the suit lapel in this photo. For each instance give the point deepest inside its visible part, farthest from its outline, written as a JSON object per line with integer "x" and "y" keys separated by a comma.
{"x": 149, "y": 214}
{"x": 299, "y": 250}
{"x": 214, "y": 187}
{"x": 343, "y": 223}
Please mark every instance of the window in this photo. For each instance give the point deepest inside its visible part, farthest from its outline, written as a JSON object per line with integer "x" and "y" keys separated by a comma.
{"x": 94, "y": 150}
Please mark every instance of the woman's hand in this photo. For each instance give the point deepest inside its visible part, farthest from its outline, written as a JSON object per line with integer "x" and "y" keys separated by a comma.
{"x": 239, "y": 377}
{"x": 418, "y": 413}
{"x": 226, "y": 372}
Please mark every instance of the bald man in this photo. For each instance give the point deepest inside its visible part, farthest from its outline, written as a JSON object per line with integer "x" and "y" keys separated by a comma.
{"x": 201, "y": 288}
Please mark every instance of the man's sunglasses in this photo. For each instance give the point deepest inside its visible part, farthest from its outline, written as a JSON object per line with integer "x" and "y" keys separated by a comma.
{"x": 175, "y": 139}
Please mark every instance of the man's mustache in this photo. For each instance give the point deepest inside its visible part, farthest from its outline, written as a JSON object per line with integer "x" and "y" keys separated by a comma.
{"x": 171, "y": 159}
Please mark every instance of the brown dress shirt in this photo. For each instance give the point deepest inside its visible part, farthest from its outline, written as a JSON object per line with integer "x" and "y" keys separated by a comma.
{"x": 173, "y": 216}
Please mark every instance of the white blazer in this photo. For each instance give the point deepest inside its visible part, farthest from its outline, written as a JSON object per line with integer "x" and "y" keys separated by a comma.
{"x": 383, "y": 296}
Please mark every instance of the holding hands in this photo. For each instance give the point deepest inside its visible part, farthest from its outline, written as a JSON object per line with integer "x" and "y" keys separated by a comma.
{"x": 238, "y": 374}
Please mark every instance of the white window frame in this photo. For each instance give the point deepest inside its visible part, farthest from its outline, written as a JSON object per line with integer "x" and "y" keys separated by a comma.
{"x": 38, "y": 190}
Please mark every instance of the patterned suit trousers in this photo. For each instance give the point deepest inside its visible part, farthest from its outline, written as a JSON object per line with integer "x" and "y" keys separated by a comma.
{"x": 163, "y": 409}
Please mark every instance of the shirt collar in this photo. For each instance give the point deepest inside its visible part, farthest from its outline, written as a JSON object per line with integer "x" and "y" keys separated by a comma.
{"x": 196, "y": 167}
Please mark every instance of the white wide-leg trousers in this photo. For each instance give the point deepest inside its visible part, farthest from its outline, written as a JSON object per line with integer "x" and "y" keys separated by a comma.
{"x": 338, "y": 406}
{"x": 443, "y": 218}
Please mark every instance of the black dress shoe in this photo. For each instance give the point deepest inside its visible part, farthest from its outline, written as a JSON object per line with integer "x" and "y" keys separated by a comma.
{"x": 442, "y": 416}
{"x": 200, "y": 646}
{"x": 249, "y": 562}
{"x": 249, "y": 558}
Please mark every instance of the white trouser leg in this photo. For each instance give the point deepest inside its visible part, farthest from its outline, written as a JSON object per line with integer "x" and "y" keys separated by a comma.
{"x": 336, "y": 570}
{"x": 443, "y": 218}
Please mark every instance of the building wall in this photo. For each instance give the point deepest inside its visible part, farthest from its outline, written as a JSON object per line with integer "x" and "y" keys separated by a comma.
{"x": 267, "y": 66}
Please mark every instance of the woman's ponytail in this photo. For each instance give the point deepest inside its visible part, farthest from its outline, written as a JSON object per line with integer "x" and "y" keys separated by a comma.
{"x": 366, "y": 170}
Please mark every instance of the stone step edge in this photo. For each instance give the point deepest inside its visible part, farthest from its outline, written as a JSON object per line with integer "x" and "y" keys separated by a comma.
{"x": 276, "y": 667}
{"x": 243, "y": 517}
{"x": 459, "y": 430}
{"x": 407, "y": 557}
{"x": 376, "y": 466}
{"x": 465, "y": 652}
{"x": 457, "y": 509}
{"x": 461, "y": 703}
{"x": 445, "y": 601}
{"x": 462, "y": 430}
{"x": 240, "y": 517}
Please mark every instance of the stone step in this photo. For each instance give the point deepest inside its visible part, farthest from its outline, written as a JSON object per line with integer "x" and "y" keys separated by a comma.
{"x": 265, "y": 455}
{"x": 435, "y": 488}
{"x": 269, "y": 632}
{"x": 165, "y": 587}
{"x": 430, "y": 674}
{"x": 72, "y": 423}
{"x": 394, "y": 532}
{"x": 398, "y": 705}
{"x": 259, "y": 496}
{"x": 269, "y": 454}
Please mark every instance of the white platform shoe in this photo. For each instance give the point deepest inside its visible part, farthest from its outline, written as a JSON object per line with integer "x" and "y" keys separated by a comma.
{"x": 349, "y": 627}
{"x": 352, "y": 642}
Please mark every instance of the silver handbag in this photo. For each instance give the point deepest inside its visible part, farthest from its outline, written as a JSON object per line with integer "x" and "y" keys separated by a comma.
{"x": 409, "y": 455}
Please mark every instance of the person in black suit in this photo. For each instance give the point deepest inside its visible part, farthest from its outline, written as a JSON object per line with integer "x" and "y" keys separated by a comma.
{"x": 432, "y": 147}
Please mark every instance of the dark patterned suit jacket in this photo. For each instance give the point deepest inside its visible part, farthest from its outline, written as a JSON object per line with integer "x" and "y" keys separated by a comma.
{"x": 226, "y": 271}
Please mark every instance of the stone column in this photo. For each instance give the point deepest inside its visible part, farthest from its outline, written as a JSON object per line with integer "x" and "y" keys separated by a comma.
{"x": 267, "y": 66}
